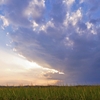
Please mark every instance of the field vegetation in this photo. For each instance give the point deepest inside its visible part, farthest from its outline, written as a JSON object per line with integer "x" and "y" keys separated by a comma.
{"x": 50, "y": 93}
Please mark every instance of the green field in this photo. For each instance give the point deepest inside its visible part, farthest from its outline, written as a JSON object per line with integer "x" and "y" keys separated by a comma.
{"x": 50, "y": 93}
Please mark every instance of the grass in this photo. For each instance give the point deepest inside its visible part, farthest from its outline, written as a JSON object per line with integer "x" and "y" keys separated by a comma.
{"x": 50, "y": 93}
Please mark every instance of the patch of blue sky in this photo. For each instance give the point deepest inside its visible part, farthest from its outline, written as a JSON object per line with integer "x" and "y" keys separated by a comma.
{"x": 48, "y": 9}
{"x": 9, "y": 29}
{"x": 49, "y": 4}
{"x": 85, "y": 8}
{"x": 2, "y": 8}
{"x": 30, "y": 18}
{"x": 96, "y": 14}
{"x": 95, "y": 18}
{"x": 75, "y": 6}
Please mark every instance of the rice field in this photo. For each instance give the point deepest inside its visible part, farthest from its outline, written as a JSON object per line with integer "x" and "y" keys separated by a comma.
{"x": 50, "y": 93}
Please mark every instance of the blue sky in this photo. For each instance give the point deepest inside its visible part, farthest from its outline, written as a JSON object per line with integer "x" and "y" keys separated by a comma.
{"x": 49, "y": 42}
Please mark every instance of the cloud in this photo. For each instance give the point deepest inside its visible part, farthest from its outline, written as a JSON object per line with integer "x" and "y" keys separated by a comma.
{"x": 14, "y": 12}
{"x": 54, "y": 35}
{"x": 1, "y": 1}
{"x": 16, "y": 70}
{"x": 5, "y": 21}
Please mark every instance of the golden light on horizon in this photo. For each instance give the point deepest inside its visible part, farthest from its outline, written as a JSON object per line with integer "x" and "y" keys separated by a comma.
{"x": 16, "y": 70}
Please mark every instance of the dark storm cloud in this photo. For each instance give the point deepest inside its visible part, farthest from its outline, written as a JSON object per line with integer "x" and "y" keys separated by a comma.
{"x": 60, "y": 39}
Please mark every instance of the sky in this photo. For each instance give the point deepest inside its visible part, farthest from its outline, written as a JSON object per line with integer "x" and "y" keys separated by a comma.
{"x": 45, "y": 42}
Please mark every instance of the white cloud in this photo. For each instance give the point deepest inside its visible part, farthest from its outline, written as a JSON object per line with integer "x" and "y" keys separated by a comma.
{"x": 35, "y": 8}
{"x": 69, "y": 2}
{"x": 68, "y": 42}
{"x": 73, "y": 18}
{"x": 5, "y": 21}
{"x": 91, "y": 28}
{"x": 89, "y": 25}
{"x": 45, "y": 27}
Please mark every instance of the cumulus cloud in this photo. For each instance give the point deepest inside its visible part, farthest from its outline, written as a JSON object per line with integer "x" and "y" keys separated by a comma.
{"x": 54, "y": 35}
{"x": 35, "y": 9}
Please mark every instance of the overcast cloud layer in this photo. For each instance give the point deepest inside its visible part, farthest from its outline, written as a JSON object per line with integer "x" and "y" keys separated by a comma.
{"x": 59, "y": 34}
